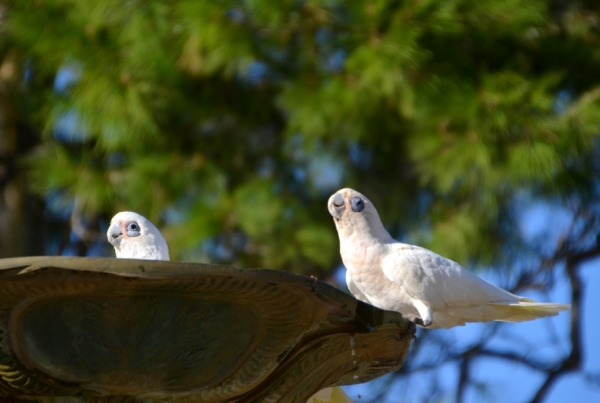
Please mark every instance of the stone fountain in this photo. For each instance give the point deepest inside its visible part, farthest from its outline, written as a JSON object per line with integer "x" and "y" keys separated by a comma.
{"x": 116, "y": 330}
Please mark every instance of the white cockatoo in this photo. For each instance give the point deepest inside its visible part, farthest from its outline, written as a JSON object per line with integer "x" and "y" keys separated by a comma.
{"x": 135, "y": 237}
{"x": 431, "y": 290}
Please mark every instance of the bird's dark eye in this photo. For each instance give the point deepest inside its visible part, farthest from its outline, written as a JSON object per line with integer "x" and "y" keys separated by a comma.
{"x": 133, "y": 229}
{"x": 357, "y": 204}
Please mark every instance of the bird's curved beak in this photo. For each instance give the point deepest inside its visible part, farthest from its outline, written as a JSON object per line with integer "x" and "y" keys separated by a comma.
{"x": 114, "y": 235}
{"x": 336, "y": 205}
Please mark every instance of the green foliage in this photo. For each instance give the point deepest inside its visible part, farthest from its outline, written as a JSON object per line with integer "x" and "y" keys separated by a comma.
{"x": 244, "y": 116}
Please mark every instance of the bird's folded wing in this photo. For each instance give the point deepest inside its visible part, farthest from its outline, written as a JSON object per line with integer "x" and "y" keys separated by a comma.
{"x": 427, "y": 276}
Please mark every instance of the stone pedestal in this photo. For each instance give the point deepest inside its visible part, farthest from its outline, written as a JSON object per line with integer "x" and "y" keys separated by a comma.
{"x": 118, "y": 330}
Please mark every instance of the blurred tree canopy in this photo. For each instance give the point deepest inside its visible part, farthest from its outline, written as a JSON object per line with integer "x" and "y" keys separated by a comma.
{"x": 241, "y": 117}
{"x": 229, "y": 123}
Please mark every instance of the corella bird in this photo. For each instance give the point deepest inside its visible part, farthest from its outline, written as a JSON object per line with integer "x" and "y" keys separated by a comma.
{"x": 431, "y": 290}
{"x": 135, "y": 237}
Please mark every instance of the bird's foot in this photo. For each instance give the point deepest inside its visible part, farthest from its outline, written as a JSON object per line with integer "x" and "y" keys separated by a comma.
{"x": 421, "y": 322}
{"x": 410, "y": 333}
{"x": 413, "y": 330}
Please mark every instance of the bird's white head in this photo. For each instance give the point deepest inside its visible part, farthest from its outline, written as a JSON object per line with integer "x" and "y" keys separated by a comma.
{"x": 353, "y": 213}
{"x": 135, "y": 237}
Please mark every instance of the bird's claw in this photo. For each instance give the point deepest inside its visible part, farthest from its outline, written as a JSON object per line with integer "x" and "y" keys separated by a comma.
{"x": 421, "y": 322}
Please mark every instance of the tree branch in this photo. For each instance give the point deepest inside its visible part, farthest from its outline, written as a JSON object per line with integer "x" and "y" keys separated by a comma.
{"x": 512, "y": 356}
{"x": 573, "y": 361}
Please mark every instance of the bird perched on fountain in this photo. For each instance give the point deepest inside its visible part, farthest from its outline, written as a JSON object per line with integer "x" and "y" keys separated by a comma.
{"x": 433, "y": 291}
{"x": 135, "y": 237}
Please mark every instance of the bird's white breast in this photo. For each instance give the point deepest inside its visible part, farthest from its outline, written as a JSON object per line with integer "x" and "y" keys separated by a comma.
{"x": 363, "y": 261}
{"x": 140, "y": 249}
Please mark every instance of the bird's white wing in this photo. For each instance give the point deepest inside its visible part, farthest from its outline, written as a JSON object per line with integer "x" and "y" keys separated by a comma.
{"x": 437, "y": 281}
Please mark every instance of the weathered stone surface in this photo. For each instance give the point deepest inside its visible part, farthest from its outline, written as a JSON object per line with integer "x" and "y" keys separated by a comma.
{"x": 118, "y": 330}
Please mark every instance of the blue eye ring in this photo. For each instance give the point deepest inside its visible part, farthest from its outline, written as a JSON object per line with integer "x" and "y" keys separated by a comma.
{"x": 357, "y": 204}
{"x": 133, "y": 229}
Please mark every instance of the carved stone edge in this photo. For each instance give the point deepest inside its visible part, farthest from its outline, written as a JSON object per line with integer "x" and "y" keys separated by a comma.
{"x": 368, "y": 318}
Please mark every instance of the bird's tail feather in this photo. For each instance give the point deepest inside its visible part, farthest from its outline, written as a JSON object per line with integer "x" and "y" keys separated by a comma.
{"x": 526, "y": 309}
